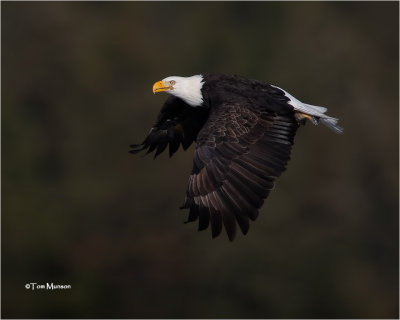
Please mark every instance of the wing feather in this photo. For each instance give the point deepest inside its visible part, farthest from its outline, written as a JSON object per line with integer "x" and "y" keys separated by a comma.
{"x": 240, "y": 151}
{"x": 216, "y": 222}
{"x": 204, "y": 217}
{"x": 177, "y": 124}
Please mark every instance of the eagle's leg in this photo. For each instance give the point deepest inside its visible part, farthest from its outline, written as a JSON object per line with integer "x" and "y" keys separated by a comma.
{"x": 302, "y": 117}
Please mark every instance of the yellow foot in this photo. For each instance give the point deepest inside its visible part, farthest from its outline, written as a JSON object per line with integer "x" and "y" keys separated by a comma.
{"x": 301, "y": 117}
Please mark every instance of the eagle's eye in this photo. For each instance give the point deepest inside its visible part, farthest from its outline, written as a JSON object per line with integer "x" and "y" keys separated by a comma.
{"x": 172, "y": 82}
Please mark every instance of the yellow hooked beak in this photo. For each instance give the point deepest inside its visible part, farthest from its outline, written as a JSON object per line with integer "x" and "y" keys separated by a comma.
{"x": 159, "y": 87}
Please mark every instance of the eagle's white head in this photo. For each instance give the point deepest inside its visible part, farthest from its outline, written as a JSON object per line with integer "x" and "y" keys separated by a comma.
{"x": 186, "y": 88}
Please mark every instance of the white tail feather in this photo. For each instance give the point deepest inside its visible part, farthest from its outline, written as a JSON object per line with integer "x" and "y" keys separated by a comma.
{"x": 331, "y": 123}
{"x": 315, "y": 111}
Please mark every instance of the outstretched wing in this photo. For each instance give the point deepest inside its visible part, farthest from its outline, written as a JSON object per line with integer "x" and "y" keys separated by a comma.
{"x": 240, "y": 152}
{"x": 177, "y": 124}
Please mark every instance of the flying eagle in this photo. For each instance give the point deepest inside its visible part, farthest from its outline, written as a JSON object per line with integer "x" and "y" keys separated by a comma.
{"x": 244, "y": 130}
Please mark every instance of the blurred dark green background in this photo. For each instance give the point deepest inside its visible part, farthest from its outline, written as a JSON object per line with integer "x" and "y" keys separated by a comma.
{"x": 78, "y": 209}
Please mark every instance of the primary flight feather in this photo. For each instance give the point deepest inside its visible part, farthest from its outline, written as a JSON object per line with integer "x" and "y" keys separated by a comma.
{"x": 244, "y": 131}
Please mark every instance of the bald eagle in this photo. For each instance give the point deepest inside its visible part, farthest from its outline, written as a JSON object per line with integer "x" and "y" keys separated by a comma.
{"x": 244, "y": 131}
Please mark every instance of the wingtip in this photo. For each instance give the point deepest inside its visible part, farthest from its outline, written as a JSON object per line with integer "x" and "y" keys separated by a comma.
{"x": 231, "y": 237}
{"x": 135, "y": 151}
{"x": 136, "y": 148}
